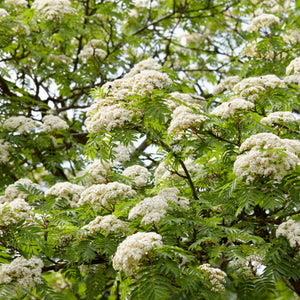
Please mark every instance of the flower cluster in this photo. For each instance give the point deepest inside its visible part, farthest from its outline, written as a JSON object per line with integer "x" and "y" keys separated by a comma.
{"x": 184, "y": 118}
{"x": 52, "y": 123}
{"x": 12, "y": 192}
{"x": 139, "y": 174}
{"x": 4, "y": 154}
{"x": 14, "y": 212}
{"x": 66, "y": 190}
{"x": 108, "y": 224}
{"x": 229, "y": 109}
{"x": 23, "y": 272}
{"x": 252, "y": 263}
{"x": 216, "y": 277}
{"x": 291, "y": 230}
{"x": 154, "y": 209}
{"x": 3, "y": 13}
{"x": 60, "y": 59}
{"x": 92, "y": 49}
{"x": 278, "y": 117}
{"x": 264, "y": 20}
{"x": 133, "y": 249}
{"x": 17, "y": 3}
{"x": 293, "y": 67}
{"x": 107, "y": 112}
{"x": 97, "y": 172}
{"x": 106, "y": 195}
{"x": 269, "y": 156}
{"x": 19, "y": 124}
{"x": 227, "y": 84}
{"x": 250, "y": 87}
{"x": 53, "y": 9}
{"x": 108, "y": 117}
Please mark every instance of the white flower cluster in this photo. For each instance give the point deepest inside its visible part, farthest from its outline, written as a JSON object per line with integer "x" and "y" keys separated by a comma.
{"x": 16, "y": 3}
{"x": 139, "y": 174}
{"x": 133, "y": 249}
{"x": 250, "y": 87}
{"x": 23, "y": 272}
{"x": 272, "y": 6}
{"x": 66, "y": 190}
{"x": 107, "y": 111}
{"x": 278, "y": 117}
{"x": 154, "y": 209}
{"x": 12, "y": 192}
{"x": 264, "y": 20}
{"x": 269, "y": 156}
{"x": 97, "y": 172}
{"x": 106, "y": 195}
{"x": 229, "y": 109}
{"x": 108, "y": 224}
{"x": 178, "y": 99}
{"x": 163, "y": 173}
{"x": 108, "y": 117}
{"x": 14, "y": 212}
{"x": 291, "y": 230}
{"x": 216, "y": 277}
{"x": 293, "y": 67}
{"x": 226, "y": 84}
{"x": 3, "y": 13}
{"x": 147, "y": 64}
{"x": 19, "y": 124}
{"x": 252, "y": 263}
{"x": 291, "y": 36}
{"x": 292, "y": 79}
{"x": 92, "y": 49}
{"x": 52, "y": 123}
{"x": 4, "y": 154}
{"x": 184, "y": 118}
{"x": 53, "y": 9}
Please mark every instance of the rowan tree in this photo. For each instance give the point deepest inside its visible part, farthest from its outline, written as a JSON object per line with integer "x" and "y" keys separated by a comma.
{"x": 149, "y": 149}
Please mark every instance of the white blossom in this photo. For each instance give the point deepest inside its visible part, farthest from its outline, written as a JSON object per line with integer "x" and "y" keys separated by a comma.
{"x": 184, "y": 118}
{"x": 16, "y": 3}
{"x": 97, "y": 172}
{"x": 108, "y": 224}
{"x": 92, "y": 49}
{"x": 269, "y": 156}
{"x": 66, "y": 190}
{"x": 52, "y": 123}
{"x": 264, "y": 20}
{"x": 108, "y": 117}
{"x": 12, "y": 192}
{"x": 226, "y": 84}
{"x": 154, "y": 209}
{"x": 106, "y": 195}
{"x": 250, "y": 87}
{"x": 292, "y": 79}
{"x": 291, "y": 230}
{"x": 53, "y": 9}
{"x": 139, "y": 174}
{"x": 133, "y": 249}
{"x": 147, "y": 64}
{"x": 278, "y": 117}
{"x": 293, "y": 67}
{"x": 147, "y": 80}
{"x": 23, "y": 272}
{"x": 19, "y": 124}
{"x": 4, "y": 153}
{"x": 232, "y": 107}
{"x": 3, "y": 13}
{"x": 216, "y": 277}
{"x": 14, "y": 212}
